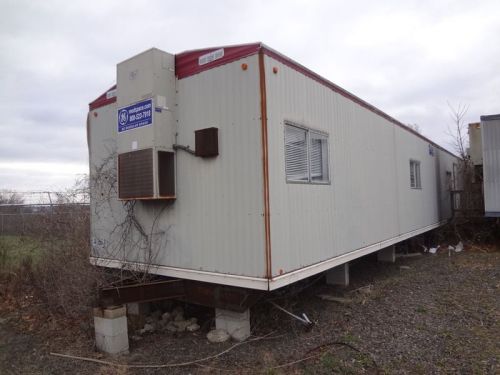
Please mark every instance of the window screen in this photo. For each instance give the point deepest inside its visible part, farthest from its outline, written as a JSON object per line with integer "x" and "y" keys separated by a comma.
{"x": 319, "y": 157}
{"x": 306, "y": 155}
{"x": 415, "y": 181}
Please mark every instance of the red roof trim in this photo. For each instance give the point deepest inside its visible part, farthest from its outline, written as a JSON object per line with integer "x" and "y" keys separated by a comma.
{"x": 102, "y": 100}
{"x": 187, "y": 64}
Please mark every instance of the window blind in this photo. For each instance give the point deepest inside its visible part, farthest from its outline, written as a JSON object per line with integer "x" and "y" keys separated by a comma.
{"x": 296, "y": 160}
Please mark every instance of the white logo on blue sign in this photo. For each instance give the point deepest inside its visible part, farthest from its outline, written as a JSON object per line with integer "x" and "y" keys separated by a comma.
{"x": 123, "y": 117}
{"x": 135, "y": 116}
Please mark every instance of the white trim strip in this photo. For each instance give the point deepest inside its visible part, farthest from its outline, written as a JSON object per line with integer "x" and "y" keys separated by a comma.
{"x": 255, "y": 282}
{"x": 183, "y": 273}
{"x": 289, "y": 278}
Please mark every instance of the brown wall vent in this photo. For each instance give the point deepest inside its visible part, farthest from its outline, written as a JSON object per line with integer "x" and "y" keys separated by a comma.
{"x": 135, "y": 174}
{"x": 206, "y": 142}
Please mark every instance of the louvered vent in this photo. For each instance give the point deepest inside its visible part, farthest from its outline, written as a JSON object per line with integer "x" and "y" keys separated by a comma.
{"x": 135, "y": 174}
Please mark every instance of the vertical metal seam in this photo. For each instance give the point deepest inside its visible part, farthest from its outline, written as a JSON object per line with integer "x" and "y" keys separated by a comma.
{"x": 265, "y": 162}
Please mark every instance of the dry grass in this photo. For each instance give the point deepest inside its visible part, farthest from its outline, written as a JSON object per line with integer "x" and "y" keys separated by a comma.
{"x": 51, "y": 262}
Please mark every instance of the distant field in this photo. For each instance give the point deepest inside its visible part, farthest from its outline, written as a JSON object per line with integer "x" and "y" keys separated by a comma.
{"x": 16, "y": 249}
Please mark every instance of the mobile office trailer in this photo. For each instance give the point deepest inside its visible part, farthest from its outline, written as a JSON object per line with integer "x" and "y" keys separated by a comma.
{"x": 490, "y": 134}
{"x": 238, "y": 166}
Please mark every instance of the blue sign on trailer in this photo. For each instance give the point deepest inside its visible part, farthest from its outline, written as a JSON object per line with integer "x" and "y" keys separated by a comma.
{"x": 135, "y": 116}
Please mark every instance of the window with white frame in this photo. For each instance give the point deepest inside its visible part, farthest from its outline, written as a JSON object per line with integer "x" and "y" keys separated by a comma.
{"x": 415, "y": 181}
{"x": 306, "y": 155}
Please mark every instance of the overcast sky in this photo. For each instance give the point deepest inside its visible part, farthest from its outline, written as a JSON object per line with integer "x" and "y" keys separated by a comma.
{"x": 408, "y": 58}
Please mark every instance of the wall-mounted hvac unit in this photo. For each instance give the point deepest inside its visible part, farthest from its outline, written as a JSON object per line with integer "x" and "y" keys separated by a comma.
{"x": 146, "y": 126}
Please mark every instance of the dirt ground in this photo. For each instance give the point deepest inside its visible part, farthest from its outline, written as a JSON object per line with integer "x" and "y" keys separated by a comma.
{"x": 436, "y": 314}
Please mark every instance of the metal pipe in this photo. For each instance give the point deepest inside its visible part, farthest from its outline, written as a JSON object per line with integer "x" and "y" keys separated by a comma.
{"x": 305, "y": 320}
{"x": 183, "y": 148}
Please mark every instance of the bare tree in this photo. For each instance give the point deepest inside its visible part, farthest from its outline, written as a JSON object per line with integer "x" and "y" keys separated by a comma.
{"x": 10, "y": 197}
{"x": 458, "y": 129}
{"x": 467, "y": 194}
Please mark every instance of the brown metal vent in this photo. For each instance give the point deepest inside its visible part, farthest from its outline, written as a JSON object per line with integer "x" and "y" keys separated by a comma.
{"x": 206, "y": 142}
{"x": 135, "y": 174}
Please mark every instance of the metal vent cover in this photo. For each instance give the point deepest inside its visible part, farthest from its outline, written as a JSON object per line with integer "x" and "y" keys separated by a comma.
{"x": 135, "y": 174}
{"x": 206, "y": 142}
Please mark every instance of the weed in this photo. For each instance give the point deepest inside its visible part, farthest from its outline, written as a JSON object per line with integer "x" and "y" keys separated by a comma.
{"x": 349, "y": 339}
{"x": 329, "y": 362}
{"x": 421, "y": 310}
{"x": 270, "y": 371}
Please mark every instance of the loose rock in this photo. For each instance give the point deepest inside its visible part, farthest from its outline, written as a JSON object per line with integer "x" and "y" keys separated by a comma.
{"x": 179, "y": 318}
{"x": 166, "y": 317}
{"x": 192, "y": 327}
{"x": 217, "y": 335}
{"x": 182, "y": 325}
{"x": 171, "y": 327}
{"x": 177, "y": 311}
{"x": 149, "y": 327}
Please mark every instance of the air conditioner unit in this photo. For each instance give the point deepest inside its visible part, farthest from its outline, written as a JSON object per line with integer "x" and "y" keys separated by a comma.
{"x": 146, "y": 126}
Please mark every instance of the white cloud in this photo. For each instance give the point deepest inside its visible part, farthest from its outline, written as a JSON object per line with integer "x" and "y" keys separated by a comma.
{"x": 407, "y": 58}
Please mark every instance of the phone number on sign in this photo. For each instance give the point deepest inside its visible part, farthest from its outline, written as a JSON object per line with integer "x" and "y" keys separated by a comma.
{"x": 139, "y": 116}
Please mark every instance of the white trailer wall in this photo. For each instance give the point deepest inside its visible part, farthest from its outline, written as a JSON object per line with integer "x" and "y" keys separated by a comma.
{"x": 215, "y": 226}
{"x": 215, "y": 230}
{"x": 491, "y": 164}
{"x": 369, "y": 199}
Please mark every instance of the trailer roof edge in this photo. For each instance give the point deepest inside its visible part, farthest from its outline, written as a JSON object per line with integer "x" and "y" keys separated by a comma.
{"x": 187, "y": 64}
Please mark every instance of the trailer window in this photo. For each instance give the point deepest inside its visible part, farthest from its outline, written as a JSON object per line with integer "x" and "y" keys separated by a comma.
{"x": 306, "y": 155}
{"x": 415, "y": 181}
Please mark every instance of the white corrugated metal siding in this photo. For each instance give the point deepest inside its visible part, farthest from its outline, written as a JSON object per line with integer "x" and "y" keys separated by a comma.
{"x": 369, "y": 199}
{"x": 491, "y": 166}
{"x": 216, "y": 223}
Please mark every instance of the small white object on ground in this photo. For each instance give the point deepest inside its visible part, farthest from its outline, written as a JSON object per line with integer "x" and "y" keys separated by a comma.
{"x": 404, "y": 267}
{"x": 459, "y": 247}
{"x": 181, "y": 325}
{"x": 192, "y": 327}
{"x": 217, "y": 335}
{"x": 433, "y": 250}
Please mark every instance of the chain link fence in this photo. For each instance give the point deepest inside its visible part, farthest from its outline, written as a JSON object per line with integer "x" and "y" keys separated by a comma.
{"x": 30, "y": 213}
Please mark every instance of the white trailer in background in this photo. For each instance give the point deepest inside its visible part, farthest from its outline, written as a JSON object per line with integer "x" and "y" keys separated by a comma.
{"x": 238, "y": 166}
{"x": 490, "y": 134}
